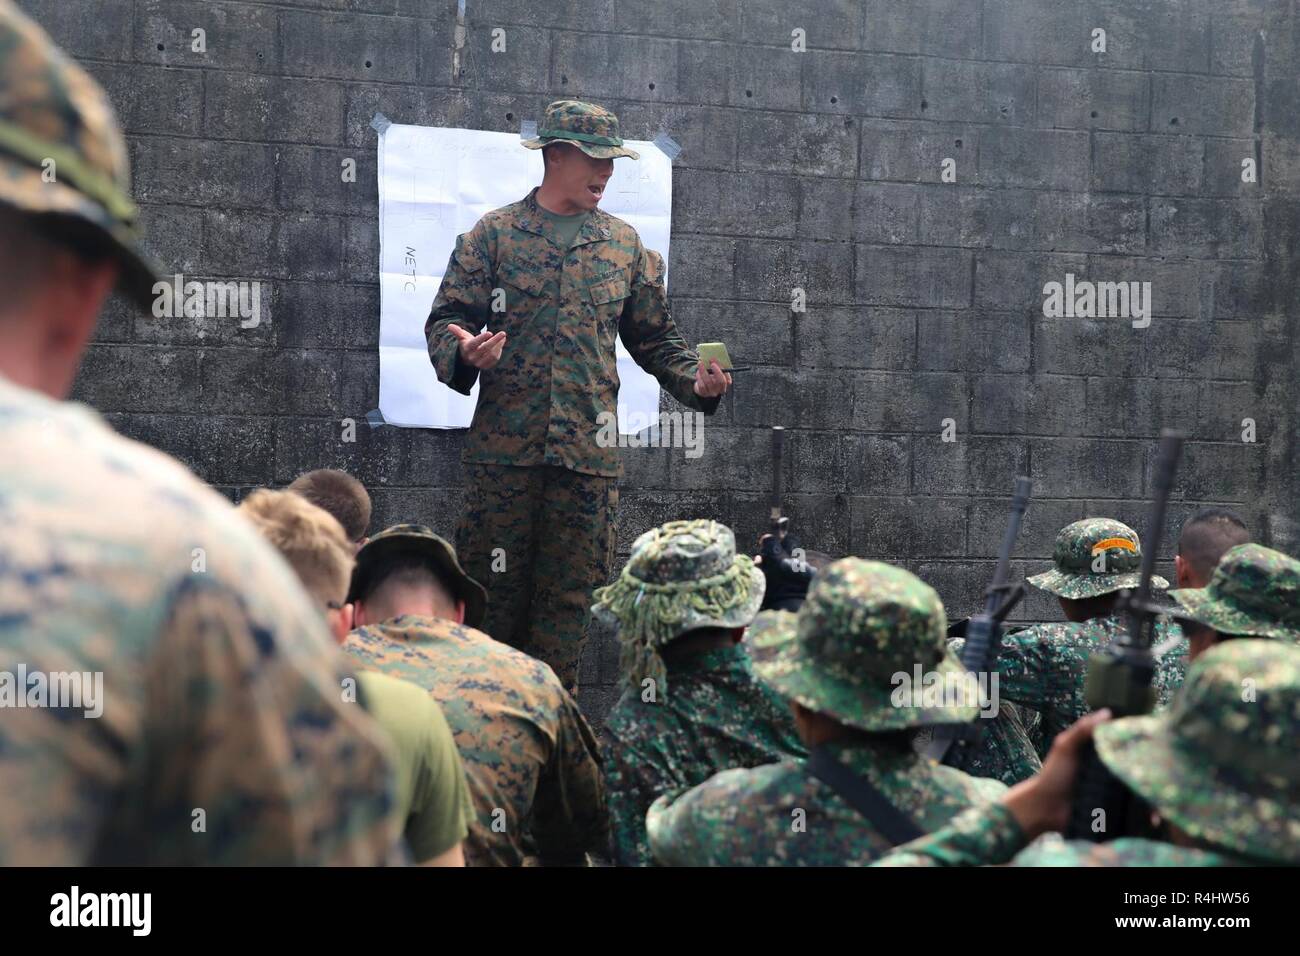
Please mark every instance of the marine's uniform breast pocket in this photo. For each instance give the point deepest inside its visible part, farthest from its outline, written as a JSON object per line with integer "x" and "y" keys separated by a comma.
{"x": 518, "y": 296}
{"x": 607, "y": 293}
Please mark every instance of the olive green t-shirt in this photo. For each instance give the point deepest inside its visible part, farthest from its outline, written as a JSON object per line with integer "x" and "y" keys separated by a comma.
{"x": 432, "y": 795}
{"x": 566, "y": 227}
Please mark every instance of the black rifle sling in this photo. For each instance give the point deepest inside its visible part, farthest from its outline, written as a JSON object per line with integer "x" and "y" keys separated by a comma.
{"x": 858, "y": 792}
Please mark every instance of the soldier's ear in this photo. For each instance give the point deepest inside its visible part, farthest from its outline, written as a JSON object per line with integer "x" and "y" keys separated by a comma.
{"x": 460, "y": 612}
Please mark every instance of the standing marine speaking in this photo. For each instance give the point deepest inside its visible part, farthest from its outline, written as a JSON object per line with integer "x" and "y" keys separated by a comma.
{"x": 531, "y": 306}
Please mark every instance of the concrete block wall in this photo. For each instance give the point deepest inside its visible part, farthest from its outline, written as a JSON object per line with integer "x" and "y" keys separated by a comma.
{"x": 821, "y": 170}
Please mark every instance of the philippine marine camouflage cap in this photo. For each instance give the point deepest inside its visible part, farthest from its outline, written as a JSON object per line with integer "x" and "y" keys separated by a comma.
{"x": 418, "y": 540}
{"x": 62, "y": 152}
{"x": 863, "y": 624}
{"x": 1254, "y": 592}
{"x": 681, "y": 576}
{"x": 591, "y": 128}
{"x": 1222, "y": 763}
{"x": 1093, "y": 557}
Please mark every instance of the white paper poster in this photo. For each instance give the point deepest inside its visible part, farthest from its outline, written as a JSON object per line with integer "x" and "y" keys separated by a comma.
{"x": 434, "y": 184}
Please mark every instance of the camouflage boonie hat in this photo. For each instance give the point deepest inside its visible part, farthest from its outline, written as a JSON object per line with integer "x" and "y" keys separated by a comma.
{"x": 862, "y": 624}
{"x": 419, "y": 540}
{"x": 1093, "y": 557}
{"x": 681, "y": 576}
{"x": 57, "y": 124}
{"x": 1255, "y": 592}
{"x": 591, "y": 128}
{"x": 1222, "y": 763}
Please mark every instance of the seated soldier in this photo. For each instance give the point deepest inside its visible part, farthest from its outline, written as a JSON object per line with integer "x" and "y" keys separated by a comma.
{"x": 432, "y": 798}
{"x": 529, "y": 756}
{"x": 864, "y": 789}
{"x": 1220, "y": 769}
{"x": 1043, "y": 667}
{"x": 1255, "y": 592}
{"x": 342, "y": 496}
{"x": 691, "y": 705}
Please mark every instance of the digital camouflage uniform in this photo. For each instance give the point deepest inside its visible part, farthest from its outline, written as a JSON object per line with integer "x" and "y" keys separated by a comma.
{"x": 539, "y": 487}
{"x": 529, "y": 756}
{"x": 223, "y": 737}
{"x": 1222, "y": 769}
{"x": 1254, "y": 592}
{"x": 683, "y": 716}
{"x": 1042, "y": 668}
{"x": 862, "y": 624}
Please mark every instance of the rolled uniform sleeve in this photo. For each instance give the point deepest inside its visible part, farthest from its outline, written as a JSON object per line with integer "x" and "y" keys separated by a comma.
{"x": 464, "y": 297}
{"x": 981, "y": 836}
{"x": 569, "y": 812}
{"x": 650, "y": 334}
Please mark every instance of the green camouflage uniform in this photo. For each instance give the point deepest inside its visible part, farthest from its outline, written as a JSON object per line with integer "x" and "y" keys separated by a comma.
{"x": 529, "y": 756}
{"x": 862, "y": 625}
{"x": 1222, "y": 769}
{"x": 538, "y": 484}
{"x": 699, "y": 713}
{"x": 1041, "y": 669}
{"x": 1254, "y": 592}
{"x": 224, "y": 737}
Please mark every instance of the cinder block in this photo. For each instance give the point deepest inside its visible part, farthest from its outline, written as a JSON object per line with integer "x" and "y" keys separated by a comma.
{"x": 349, "y": 47}
{"x": 948, "y": 28}
{"x": 887, "y": 213}
{"x": 77, "y": 26}
{"x": 1202, "y": 105}
{"x": 1154, "y": 34}
{"x": 977, "y": 464}
{"x": 274, "y": 109}
{"x": 1207, "y": 228}
{"x": 908, "y": 402}
{"x": 1028, "y": 404}
{"x": 237, "y": 36}
{"x": 1054, "y": 159}
{"x": 973, "y": 341}
{"x": 500, "y": 57}
{"x": 858, "y": 338}
{"x": 804, "y": 143}
{"x": 915, "y": 152}
{"x": 977, "y": 92}
{"x": 826, "y": 208}
{"x": 1154, "y": 165}
{"x": 311, "y": 179}
{"x": 878, "y": 464}
{"x": 826, "y": 24}
{"x": 1043, "y": 519}
{"x": 1037, "y": 31}
{"x": 204, "y": 171}
{"x": 600, "y": 65}
{"x": 701, "y": 267}
{"x": 863, "y": 84}
{"x": 796, "y": 399}
{"x": 913, "y": 276}
{"x": 150, "y": 99}
{"x": 913, "y": 528}
{"x": 327, "y": 315}
{"x": 770, "y": 270}
{"x": 1087, "y": 467}
{"x": 728, "y": 203}
{"x": 1093, "y": 99}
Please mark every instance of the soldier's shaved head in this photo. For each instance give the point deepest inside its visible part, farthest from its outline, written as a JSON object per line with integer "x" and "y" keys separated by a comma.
{"x": 405, "y": 583}
{"x": 1206, "y": 536}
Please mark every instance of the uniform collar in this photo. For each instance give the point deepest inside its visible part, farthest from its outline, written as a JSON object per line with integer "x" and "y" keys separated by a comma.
{"x": 531, "y": 219}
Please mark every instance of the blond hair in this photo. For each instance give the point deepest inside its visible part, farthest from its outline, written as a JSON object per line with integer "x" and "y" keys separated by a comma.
{"x": 308, "y": 537}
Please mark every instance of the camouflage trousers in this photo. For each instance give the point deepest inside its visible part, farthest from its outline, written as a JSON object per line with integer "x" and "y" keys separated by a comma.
{"x": 540, "y": 539}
